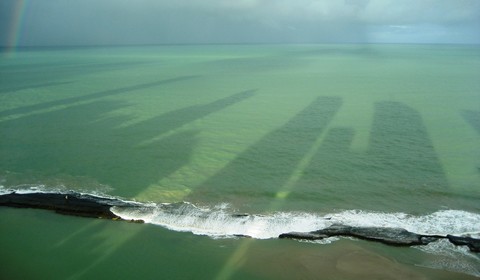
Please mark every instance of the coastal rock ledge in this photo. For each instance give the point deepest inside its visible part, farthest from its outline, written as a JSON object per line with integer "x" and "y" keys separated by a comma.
{"x": 86, "y": 205}
{"x": 472, "y": 243}
{"x": 390, "y": 236}
{"x": 68, "y": 203}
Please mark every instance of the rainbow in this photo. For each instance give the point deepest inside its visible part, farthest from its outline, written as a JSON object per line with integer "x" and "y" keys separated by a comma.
{"x": 15, "y": 29}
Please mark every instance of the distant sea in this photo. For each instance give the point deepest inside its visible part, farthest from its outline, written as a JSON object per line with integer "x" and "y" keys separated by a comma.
{"x": 299, "y": 137}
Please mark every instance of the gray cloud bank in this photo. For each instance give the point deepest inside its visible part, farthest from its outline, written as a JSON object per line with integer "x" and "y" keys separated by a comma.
{"x": 110, "y": 22}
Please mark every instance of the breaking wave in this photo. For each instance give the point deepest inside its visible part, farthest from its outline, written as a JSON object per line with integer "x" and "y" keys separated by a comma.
{"x": 220, "y": 221}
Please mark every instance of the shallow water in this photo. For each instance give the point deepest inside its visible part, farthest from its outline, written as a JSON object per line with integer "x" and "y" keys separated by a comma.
{"x": 379, "y": 135}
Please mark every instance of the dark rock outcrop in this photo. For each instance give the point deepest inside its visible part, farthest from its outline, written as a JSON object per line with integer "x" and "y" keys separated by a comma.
{"x": 69, "y": 203}
{"x": 472, "y": 243}
{"x": 86, "y": 205}
{"x": 303, "y": 235}
{"x": 390, "y": 236}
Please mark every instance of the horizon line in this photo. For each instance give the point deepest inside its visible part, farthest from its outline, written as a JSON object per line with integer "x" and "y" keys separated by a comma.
{"x": 230, "y": 43}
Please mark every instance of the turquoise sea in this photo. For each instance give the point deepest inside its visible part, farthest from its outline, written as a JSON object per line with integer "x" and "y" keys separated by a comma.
{"x": 298, "y": 136}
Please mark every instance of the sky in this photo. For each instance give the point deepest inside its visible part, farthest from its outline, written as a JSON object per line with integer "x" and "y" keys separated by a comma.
{"x": 126, "y": 22}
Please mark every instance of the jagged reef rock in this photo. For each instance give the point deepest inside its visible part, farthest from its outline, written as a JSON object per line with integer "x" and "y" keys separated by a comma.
{"x": 472, "y": 243}
{"x": 391, "y": 236}
{"x": 69, "y": 203}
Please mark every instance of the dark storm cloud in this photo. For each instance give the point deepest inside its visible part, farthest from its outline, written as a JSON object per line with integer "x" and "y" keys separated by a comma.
{"x": 86, "y": 22}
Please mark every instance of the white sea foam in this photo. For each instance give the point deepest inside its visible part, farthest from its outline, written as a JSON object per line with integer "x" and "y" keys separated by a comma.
{"x": 218, "y": 221}
{"x": 24, "y": 189}
{"x": 29, "y": 189}
{"x": 221, "y": 221}
{"x": 451, "y": 257}
{"x": 443, "y": 222}
{"x": 3, "y": 190}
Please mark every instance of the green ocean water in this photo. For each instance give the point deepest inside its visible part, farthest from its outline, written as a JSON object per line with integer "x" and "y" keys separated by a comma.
{"x": 382, "y": 134}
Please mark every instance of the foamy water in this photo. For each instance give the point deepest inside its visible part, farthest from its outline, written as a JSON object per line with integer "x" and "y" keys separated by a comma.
{"x": 221, "y": 221}
{"x": 362, "y": 135}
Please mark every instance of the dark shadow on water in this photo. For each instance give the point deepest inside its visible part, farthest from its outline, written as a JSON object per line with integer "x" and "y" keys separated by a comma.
{"x": 31, "y": 86}
{"x": 178, "y": 118}
{"x": 399, "y": 169}
{"x": 328, "y": 174}
{"x": 472, "y": 118}
{"x": 91, "y": 96}
{"x": 84, "y": 141}
{"x": 56, "y": 70}
{"x": 260, "y": 171}
{"x": 401, "y": 148}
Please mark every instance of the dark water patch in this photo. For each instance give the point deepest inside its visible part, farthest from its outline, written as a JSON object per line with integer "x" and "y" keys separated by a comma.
{"x": 267, "y": 165}
{"x": 400, "y": 163}
{"x": 177, "y": 118}
{"x": 91, "y": 96}
{"x": 31, "y": 86}
{"x": 83, "y": 141}
{"x": 38, "y": 73}
{"x": 401, "y": 150}
{"x": 472, "y": 118}
{"x": 335, "y": 146}
{"x": 332, "y": 175}
{"x": 80, "y": 141}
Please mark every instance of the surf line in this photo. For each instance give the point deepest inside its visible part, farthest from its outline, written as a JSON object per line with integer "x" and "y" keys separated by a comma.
{"x": 68, "y": 203}
{"x": 93, "y": 206}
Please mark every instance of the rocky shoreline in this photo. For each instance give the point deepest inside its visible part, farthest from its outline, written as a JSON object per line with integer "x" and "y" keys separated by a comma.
{"x": 389, "y": 236}
{"x": 86, "y": 205}
{"x": 68, "y": 203}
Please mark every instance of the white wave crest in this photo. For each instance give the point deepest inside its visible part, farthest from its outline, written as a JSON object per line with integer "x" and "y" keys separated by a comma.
{"x": 218, "y": 221}
{"x": 451, "y": 257}
{"x": 443, "y": 222}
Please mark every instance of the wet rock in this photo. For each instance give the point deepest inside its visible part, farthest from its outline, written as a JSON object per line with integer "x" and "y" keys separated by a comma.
{"x": 71, "y": 203}
{"x": 242, "y": 236}
{"x": 303, "y": 235}
{"x": 391, "y": 236}
{"x": 472, "y": 243}
{"x": 240, "y": 215}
